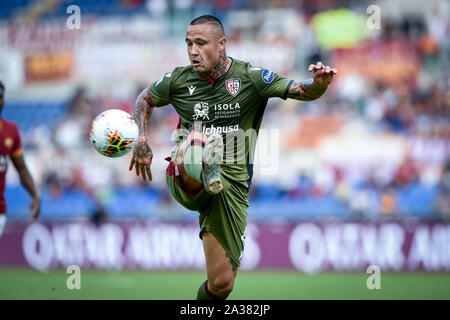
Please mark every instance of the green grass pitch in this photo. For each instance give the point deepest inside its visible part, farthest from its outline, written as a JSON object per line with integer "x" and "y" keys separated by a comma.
{"x": 254, "y": 285}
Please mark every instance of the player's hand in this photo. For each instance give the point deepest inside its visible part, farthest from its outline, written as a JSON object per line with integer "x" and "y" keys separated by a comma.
{"x": 322, "y": 75}
{"x": 35, "y": 209}
{"x": 142, "y": 158}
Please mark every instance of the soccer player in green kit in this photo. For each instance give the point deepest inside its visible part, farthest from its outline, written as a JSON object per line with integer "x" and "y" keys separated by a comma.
{"x": 218, "y": 99}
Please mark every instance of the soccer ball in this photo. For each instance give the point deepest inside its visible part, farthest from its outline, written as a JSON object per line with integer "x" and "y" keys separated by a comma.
{"x": 114, "y": 133}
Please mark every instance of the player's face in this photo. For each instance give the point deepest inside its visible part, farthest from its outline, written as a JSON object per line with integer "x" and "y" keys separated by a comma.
{"x": 204, "y": 45}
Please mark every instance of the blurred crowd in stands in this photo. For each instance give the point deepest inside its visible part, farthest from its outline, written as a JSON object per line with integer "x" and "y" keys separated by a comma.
{"x": 413, "y": 109}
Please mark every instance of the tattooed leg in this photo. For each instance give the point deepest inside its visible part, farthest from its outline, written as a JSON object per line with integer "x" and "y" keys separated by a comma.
{"x": 220, "y": 273}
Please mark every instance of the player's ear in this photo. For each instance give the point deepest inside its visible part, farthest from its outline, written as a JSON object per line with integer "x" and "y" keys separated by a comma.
{"x": 222, "y": 43}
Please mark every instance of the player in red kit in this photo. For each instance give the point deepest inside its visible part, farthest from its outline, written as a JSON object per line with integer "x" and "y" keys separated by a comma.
{"x": 10, "y": 146}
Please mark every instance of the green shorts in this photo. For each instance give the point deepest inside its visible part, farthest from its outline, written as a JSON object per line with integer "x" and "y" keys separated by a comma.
{"x": 223, "y": 215}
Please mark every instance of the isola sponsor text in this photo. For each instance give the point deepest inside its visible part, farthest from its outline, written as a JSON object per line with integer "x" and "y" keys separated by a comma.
{"x": 226, "y": 106}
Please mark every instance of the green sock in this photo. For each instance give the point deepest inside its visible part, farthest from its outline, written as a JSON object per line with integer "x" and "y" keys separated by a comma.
{"x": 202, "y": 293}
{"x": 193, "y": 160}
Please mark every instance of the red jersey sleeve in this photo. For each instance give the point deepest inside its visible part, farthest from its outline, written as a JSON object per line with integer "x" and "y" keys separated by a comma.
{"x": 16, "y": 150}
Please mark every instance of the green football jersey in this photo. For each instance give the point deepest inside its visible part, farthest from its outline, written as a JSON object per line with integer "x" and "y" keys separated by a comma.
{"x": 233, "y": 106}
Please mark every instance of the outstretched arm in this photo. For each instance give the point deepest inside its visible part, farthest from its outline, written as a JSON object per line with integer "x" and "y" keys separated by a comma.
{"x": 314, "y": 88}
{"x": 28, "y": 183}
{"x": 142, "y": 153}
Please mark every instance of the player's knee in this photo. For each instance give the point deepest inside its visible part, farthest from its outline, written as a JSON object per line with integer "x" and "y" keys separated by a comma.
{"x": 222, "y": 285}
{"x": 185, "y": 146}
{"x": 196, "y": 135}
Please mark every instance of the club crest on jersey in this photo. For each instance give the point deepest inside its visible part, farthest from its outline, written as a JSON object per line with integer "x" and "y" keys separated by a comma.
{"x": 267, "y": 76}
{"x": 233, "y": 86}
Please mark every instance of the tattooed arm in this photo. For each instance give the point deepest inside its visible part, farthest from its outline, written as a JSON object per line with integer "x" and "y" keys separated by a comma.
{"x": 143, "y": 110}
{"x": 142, "y": 153}
{"x": 306, "y": 90}
{"x": 314, "y": 88}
